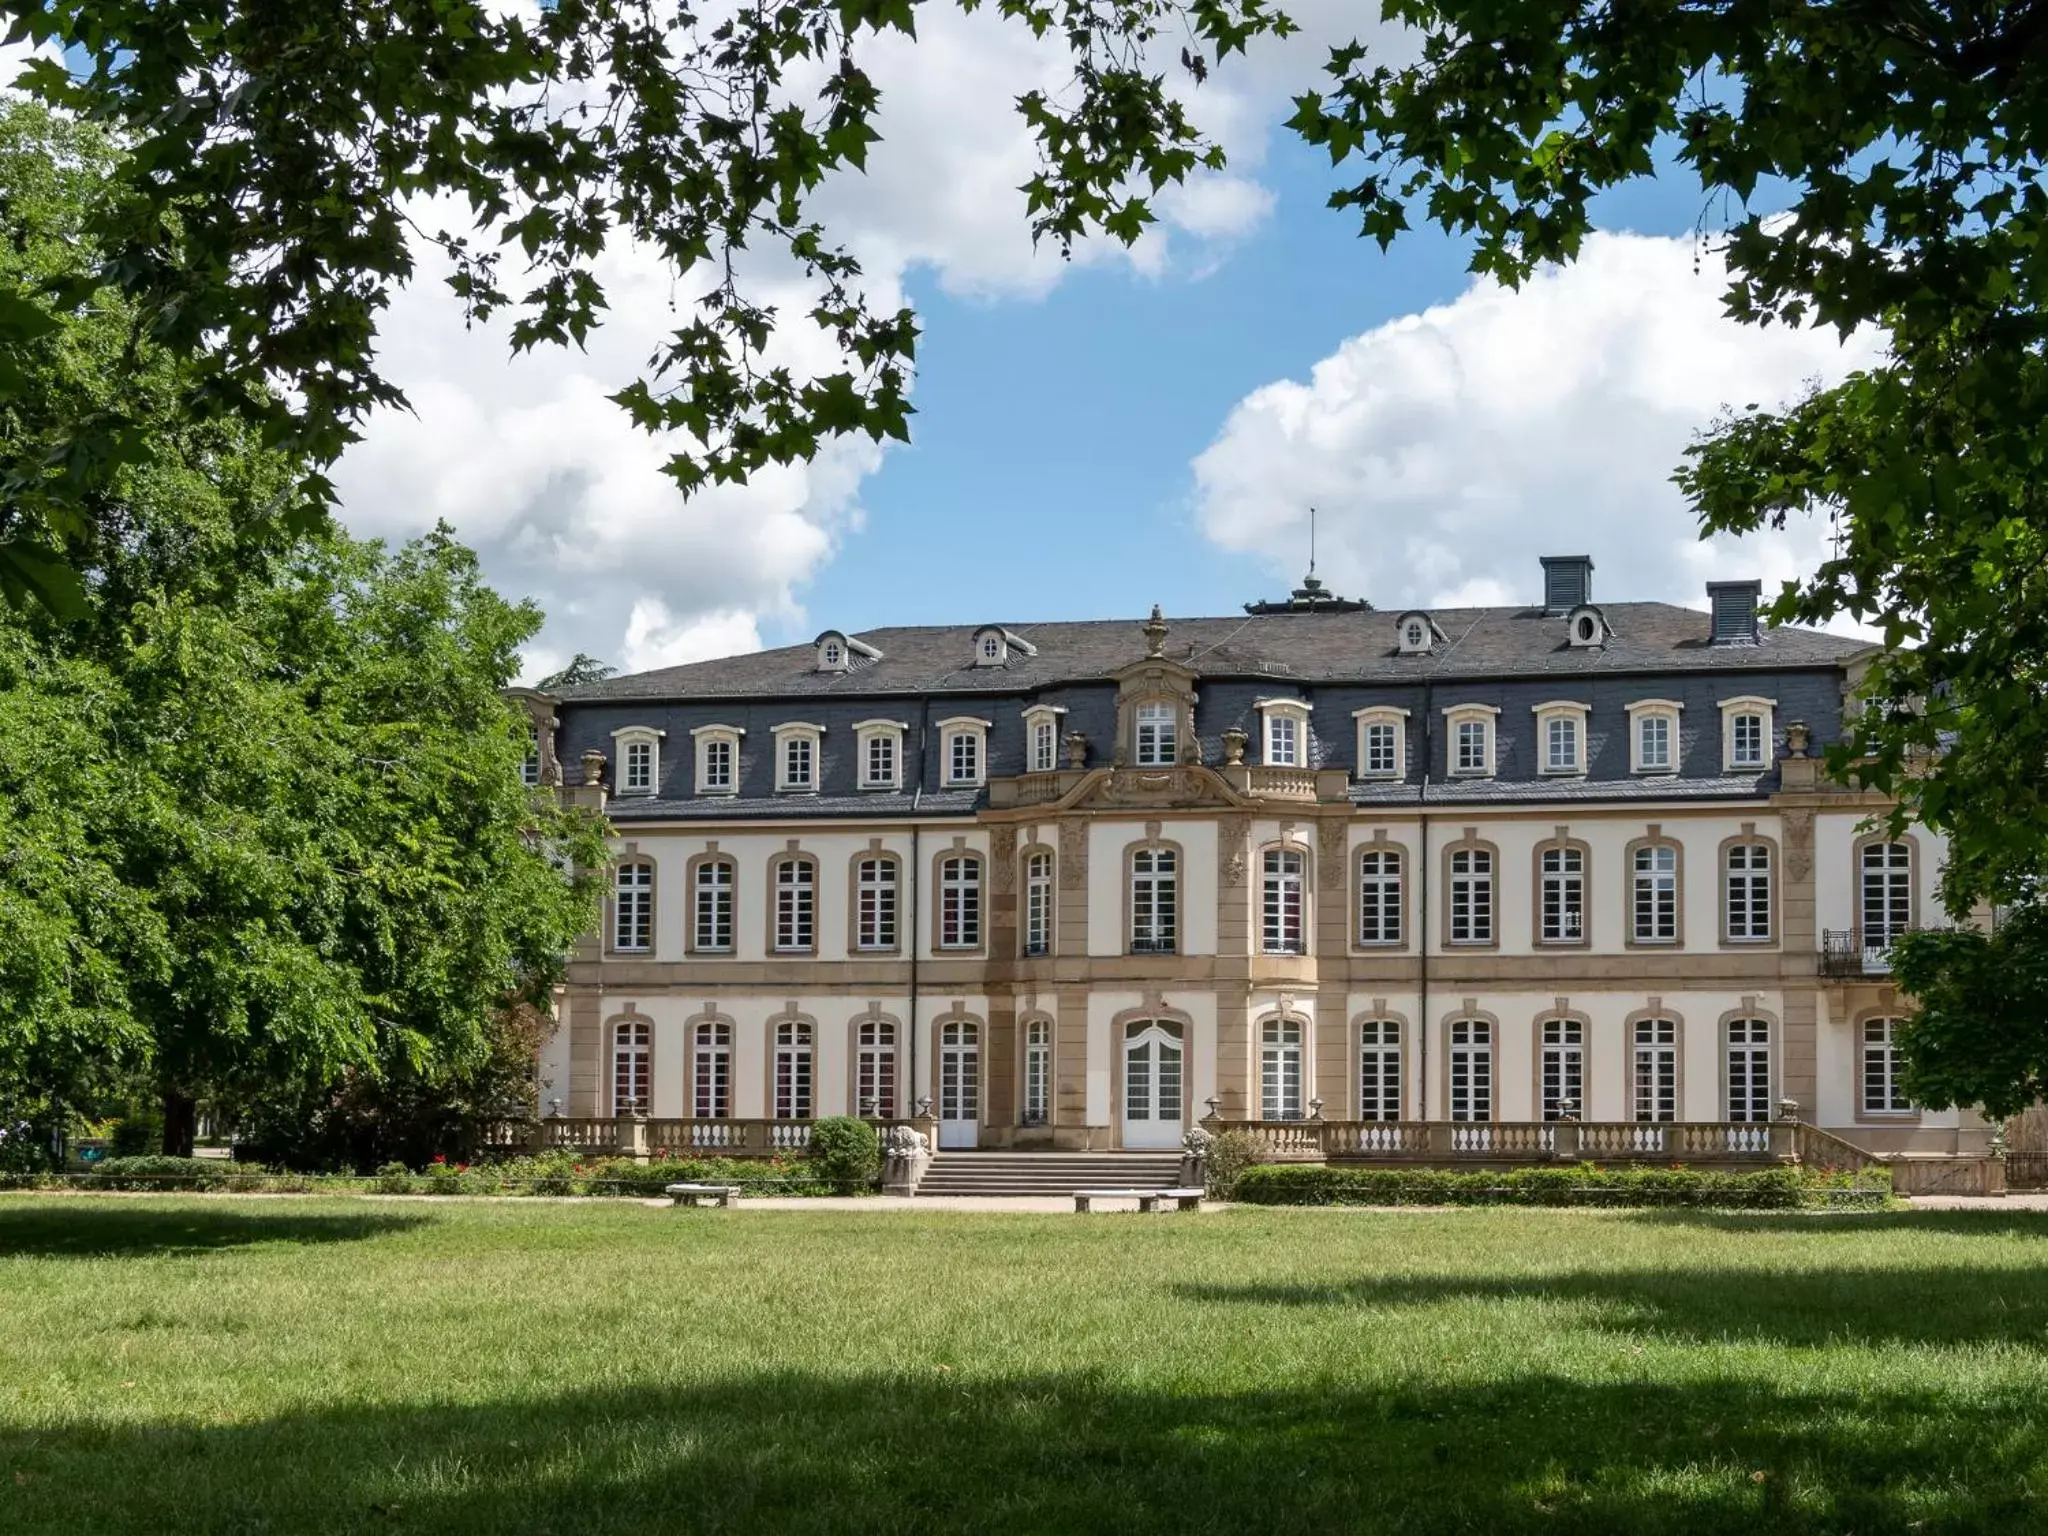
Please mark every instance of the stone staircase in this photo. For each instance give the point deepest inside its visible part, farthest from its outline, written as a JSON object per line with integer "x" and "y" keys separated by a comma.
{"x": 1047, "y": 1173}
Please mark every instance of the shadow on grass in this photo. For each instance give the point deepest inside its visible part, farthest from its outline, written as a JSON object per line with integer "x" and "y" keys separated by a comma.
{"x": 1981, "y": 1221}
{"x": 810, "y": 1453}
{"x": 93, "y": 1229}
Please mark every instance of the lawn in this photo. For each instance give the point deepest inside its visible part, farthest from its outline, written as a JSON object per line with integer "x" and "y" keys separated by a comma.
{"x": 222, "y": 1364}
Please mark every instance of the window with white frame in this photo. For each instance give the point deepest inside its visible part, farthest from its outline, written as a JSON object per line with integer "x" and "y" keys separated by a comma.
{"x": 990, "y": 648}
{"x": 633, "y": 906}
{"x": 1561, "y": 894}
{"x": 1379, "y": 896}
{"x": 1155, "y": 735}
{"x": 794, "y": 1078}
{"x": 1885, "y": 894}
{"x": 1748, "y": 893}
{"x": 1561, "y": 1069}
{"x": 1155, "y": 905}
{"x": 1470, "y": 1069}
{"x": 1286, "y": 733}
{"x": 1382, "y": 752}
{"x": 1883, "y": 1092}
{"x": 963, "y": 749}
{"x": 711, "y": 1087}
{"x": 832, "y": 655}
{"x": 1749, "y": 1070}
{"x": 1280, "y": 1070}
{"x": 639, "y": 750}
{"x": 1037, "y": 1108}
{"x": 632, "y": 1053}
{"x": 718, "y": 759}
{"x": 1653, "y": 736}
{"x": 796, "y": 757}
{"x": 1655, "y": 1048}
{"x": 1471, "y": 896}
{"x": 796, "y": 905}
{"x": 1561, "y": 738}
{"x": 1379, "y": 1070}
{"x": 878, "y": 747}
{"x": 1413, "y": 634}
{"x": 1471, "y": 739}
{"x": 1042, "y": 737}
{"x": 1654, "y": 908}
{"x": 1037, "y": 935}
{"x": 960, "y": 901}
{"x": 1282, "y": 901}
{"x": 874, "y": 913}
{"x": 875, "y": 1070}
{"x": 529, "y": 765}
{"x": 712, "y": 894}
{"x": 1746, "y": 733}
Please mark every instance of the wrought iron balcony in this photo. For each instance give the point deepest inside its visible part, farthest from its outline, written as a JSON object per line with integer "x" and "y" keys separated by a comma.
{"x": 1153, "y": 946}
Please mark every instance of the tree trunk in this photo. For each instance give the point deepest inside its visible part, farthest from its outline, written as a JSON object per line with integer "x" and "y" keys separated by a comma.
{"x": 181, "y": 1123}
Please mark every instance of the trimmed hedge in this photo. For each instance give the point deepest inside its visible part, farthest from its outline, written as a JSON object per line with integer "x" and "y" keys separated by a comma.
{"x": 1317, "y": 1184}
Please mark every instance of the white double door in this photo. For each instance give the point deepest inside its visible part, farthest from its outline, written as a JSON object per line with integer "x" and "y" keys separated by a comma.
{"x": 1155, "y": 1067}
{"x": 959, "y": 1086}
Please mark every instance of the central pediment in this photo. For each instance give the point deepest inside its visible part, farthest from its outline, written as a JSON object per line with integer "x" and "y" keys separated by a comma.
{"x": 1184, "y": 786}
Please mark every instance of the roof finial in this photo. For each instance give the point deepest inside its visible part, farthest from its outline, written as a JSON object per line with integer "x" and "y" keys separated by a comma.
{"x": 1155, "y": 633}
{"x": 1311, "y": 541}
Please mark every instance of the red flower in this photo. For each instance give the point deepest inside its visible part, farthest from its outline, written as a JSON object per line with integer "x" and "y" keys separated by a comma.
{"x": 440, "y": 1158}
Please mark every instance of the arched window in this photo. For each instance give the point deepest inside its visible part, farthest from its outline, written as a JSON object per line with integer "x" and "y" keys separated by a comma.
{"x": 1562, "y": 1068}
{"x": 875, "y": 1070}
{"x": 1655, "y": 1065}
{"x": 632, "y": 1046}
{"x": 1280, "y": 1070}
{"x": 1379, "y": 1070}
{"x": 1561, "y": 894}
{"x": 1470, "y": 1069}
{"x": 1654, "y": 911}
{"x": 874, "y": 924}
{"x": 1155, "y": 907}
{"x": 633, "y": 906}
{"x": 793, "y": 1080}
{"x": 1282, "y": 902}
{"x": 960, "y": 902}
{"x": 1748, "y": 881}
{"x": 1749, "y": 1070}
{"x": 711, "y": 1071}
{"x": 713, "y": 894}
{"x": 1379, "y": 896}
{"x": 796, "y": 905}
{"x": 1471, "y": 896}
{"x": 1037, "y": 1108}
{"x": 1886, "y": 893}
{"x": 1038, "y": 903}
{"x": 1883, "y": 1091}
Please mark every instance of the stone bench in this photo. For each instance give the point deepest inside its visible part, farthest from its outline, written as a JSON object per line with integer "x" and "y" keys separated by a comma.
{"x": 1148, "y": 1199}
{"x": 697, "y": 1194}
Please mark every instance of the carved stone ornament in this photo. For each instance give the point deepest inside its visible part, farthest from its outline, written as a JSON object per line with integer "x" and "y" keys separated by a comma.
{"x": 903, "y": 1141}
{"x": 1077, "y": 749}
{"x": 1330, "y": 850}
{"x": 1073, "y": 855}
{"x": 1799, "y": 844}
{"x": 593, "y": 767}
{"x": 1230, "y": 859}
{"x": 1235, "y": 740}
{"x": 1003, "y": 851}
{"x": 1155, "y": 633}
{"x": 1197, "y": 1142}
{"x": 1797, "y": 736}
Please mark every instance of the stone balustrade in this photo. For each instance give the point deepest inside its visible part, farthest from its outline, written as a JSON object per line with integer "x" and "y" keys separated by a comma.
{"x": 1517, "y": 1141}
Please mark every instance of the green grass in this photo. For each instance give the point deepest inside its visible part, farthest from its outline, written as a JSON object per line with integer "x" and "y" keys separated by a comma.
{"x": 229, "y": 1365}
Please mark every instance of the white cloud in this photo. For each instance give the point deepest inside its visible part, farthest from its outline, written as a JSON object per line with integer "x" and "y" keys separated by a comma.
{"x": 1445, "y": 451}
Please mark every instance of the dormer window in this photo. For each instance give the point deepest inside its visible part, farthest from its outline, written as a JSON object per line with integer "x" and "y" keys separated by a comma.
{"x": 1042, "y": 737}
{"x": 1155, "y": 735}
{"x": 991, "y": 648}
{"x": 1747, "y": 736}
{"x": 1286, "y": 734}
{"x": 878, "y": 749}
{"x": 639, "y": 758}
{"x": 1586, "y": 627}
{"x": 798, "y": 747}
{"x": 963, "y": 747}
{"x": 1561, "y": 737}
{"x": 1653, "y": 736}
{"x": 1414, "y": 634}
{"x": 833, "y": 655}
{"x": 1470, "y": 744}
{"x": 718, "y": 759}
{"x": 1382, "y": 742}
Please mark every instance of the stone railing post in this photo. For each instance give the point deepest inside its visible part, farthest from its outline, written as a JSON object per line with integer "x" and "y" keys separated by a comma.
{"x": 1785, "y": 1132}
{"x": 633, "y": 1136}
{"x": 534, "y": 1136}
{"x": 1564, "y": 1141}
{"x": 1436, "y": 1140}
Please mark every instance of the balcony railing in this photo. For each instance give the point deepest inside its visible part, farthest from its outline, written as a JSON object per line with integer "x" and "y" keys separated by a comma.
{"x": 1520, "y": 1141}
{"x": 1152, "y": 946}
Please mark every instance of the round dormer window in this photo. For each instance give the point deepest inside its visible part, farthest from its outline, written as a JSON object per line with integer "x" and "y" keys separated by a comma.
{"x": 991, "y": 648}
{"x": 1414, "y": 636}
{"x": 833, "y": 655}
{"x": 1588, "y": 629}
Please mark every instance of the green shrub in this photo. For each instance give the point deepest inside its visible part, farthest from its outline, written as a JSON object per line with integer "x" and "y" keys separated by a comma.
{"x": 136, "y": 1135}
{"x": 161, "y": 1172}
{"x": 845, "y": 1153}
{"x": 1582, "y": 1184}
{"x": 1230, "y": 1154}
{"x": 393, "y": 1179}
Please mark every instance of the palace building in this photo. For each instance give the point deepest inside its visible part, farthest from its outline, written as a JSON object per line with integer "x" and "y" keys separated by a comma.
{"x": 1083, "y": 885}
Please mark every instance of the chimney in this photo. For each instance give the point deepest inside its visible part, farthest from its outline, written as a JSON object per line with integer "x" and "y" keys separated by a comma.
{"x": 1567, "y": 582}
{"x": 1734, "y": 606}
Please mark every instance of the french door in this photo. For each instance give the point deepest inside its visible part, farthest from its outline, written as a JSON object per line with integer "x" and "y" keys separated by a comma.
{"x": 1155, "y": 1060}
{"x": 959, "y": 1086}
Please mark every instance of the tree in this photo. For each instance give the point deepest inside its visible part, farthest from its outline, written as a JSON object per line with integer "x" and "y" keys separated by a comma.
{"x": 282, "y": 162}
{"x": 584, "y": 669}
{"x": 259, "y": 794}
{"x": 1979, "y": 1033}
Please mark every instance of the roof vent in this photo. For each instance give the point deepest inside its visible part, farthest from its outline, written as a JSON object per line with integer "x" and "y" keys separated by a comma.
{"x": 1734, "y": 605}
{"x": 1567, "y": 583}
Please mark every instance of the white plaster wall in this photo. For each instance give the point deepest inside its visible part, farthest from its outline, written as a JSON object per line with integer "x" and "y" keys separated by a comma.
{"x": 1837, "y": 1067}
{"x": 929, "y": 1006}
{"x": 1107, "y": 843}
{"x": 1837, "y": 882}
{"x": 1361, "y": 1006}
{"x": 934, "y": 842}
{"x": 1103, "y": 1007}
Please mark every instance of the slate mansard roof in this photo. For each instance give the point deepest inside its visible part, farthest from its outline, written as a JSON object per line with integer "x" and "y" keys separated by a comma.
{"x": 1521, "y": 642}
